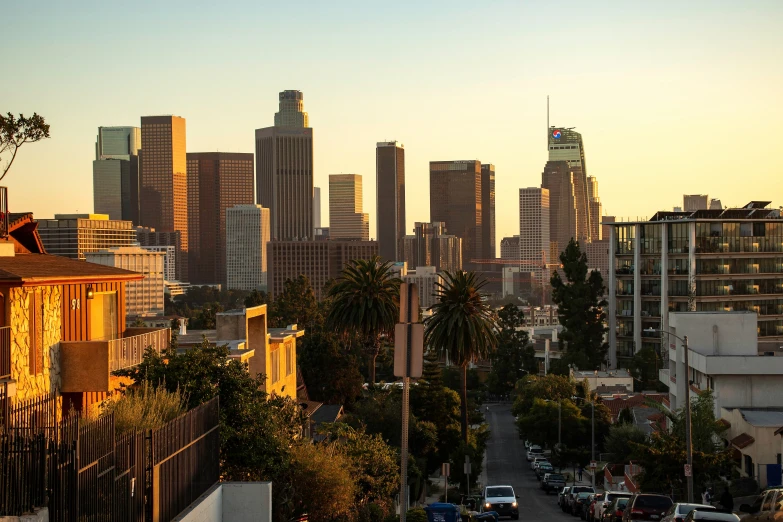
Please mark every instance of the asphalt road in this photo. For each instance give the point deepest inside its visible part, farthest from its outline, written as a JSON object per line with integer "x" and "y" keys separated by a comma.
{"x": 506, "y": 463}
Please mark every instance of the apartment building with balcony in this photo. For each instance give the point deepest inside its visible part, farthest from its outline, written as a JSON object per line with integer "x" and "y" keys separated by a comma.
{"x": 701, "y": 261}
{"x": 62, "y": 322}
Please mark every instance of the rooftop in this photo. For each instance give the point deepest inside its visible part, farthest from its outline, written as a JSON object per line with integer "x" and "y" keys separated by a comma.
{"x": 763, "y": 418}
{"x": 48, "y": 269}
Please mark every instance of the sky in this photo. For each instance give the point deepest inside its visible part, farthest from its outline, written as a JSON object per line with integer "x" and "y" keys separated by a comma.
{"x": 671, "y": 97}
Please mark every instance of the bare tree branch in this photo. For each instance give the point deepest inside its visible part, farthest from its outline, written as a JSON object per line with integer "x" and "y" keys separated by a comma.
{"x": 15, "y": 132}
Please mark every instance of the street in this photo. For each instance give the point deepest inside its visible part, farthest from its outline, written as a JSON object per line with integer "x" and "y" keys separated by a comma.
{"x": 506, "y": 463}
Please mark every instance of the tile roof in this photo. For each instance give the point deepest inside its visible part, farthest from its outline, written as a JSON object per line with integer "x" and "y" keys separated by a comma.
{"x": 48, "y": 269}
{"x": 743, "y": 440}
{"x": 617, "y": 405}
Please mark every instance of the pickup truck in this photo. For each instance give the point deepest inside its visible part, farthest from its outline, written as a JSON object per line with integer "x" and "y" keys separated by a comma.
{"x": 552, "y": 482}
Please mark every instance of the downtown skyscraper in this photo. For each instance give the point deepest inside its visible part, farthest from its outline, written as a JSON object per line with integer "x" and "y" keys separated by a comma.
{"x": 163, "y": 183}
{"x": 390, "y": 199}
{"x": 566, "y": 145}
{"x": 115, "y": 173}
{"x": 456, "y": 200}
{"x": 216, "y": 182}
{"x": 346, "y": 219}
{"x": 488, "y": 211}
{"x": 284, "y": 170}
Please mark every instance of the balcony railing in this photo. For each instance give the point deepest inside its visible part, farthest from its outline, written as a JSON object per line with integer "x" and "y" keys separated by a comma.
{"x": 5, "y": 352}
{"x": 129, "y": 350}
{"x": 87, "y": 366}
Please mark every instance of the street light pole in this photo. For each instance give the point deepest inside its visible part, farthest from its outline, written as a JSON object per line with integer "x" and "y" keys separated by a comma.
{"x": 592, "y": 434}
{"x": 688, "y": 421}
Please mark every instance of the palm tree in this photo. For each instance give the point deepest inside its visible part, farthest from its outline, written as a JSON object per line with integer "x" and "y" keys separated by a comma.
{"x": 365, "y": 302}
{"x": 463, "y": 325}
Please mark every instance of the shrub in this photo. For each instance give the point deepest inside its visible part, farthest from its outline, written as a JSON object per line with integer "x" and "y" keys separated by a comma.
{"x": 416, "y": 515}
{"x": 144, "y": 408}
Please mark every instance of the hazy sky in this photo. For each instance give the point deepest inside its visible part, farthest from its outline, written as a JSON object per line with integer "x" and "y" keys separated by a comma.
{"x": 671, "y": 97}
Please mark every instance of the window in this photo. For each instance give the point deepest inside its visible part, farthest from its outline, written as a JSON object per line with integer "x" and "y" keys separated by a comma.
{"x": 749, "y": 466}
{"x": 36, "y": 322}
{"x": 275, "y": 363}
{"x": 289, "y": 358}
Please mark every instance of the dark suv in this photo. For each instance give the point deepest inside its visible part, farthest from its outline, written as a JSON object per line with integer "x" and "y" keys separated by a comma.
{"x": 644, "y": 506}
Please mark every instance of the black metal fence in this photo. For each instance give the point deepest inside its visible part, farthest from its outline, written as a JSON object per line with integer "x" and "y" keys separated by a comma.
{"x": 83, "y": 471}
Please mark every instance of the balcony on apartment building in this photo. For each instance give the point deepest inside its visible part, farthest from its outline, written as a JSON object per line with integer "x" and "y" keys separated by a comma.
{"x": 87, "y": 366}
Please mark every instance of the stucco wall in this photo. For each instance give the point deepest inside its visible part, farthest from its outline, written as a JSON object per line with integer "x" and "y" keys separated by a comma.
{"x": 19, "y": 319}
{"x": 735, "y": 333}
{"x": 231, "y": 502}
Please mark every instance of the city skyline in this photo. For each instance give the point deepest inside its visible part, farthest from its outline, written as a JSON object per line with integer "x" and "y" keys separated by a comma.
{"x": 654, "y": 89}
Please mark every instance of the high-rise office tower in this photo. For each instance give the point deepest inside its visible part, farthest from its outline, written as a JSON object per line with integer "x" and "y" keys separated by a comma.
{"x": 534, "y": 231}
{"x": 216, "y": 181}
{"x": 346, "y": 219}
{"x": 488, "y": 210}
{"x": 558, "y": 179}
{"x": 164, "y": 181}
{"x": 247, "y": 236}
{"x": 151, "y": 239}
{"x": 715, "y": 204}
{"x": 509, "y": 248}
{"x": 691, "y": 202}
{"x": 455, "y": 199}
{"x": 115, "y": 172}
{"x": 430, "y": 245}
{"x": 316, "y": 207}
{"x": 605, "y": 227}
{"x": 567, "y": 145}
{"x": 390, "y": 198}
{"x": 284, "y": 170}
{"x": 75, "y": 235}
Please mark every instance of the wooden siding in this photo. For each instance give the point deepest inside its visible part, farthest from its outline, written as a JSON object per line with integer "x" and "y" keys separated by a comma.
{"x": 76, "y": 320}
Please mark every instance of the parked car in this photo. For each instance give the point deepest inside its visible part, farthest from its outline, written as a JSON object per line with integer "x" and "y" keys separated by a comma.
{"x": 500, "y": 499}
{"x": 543, "y": 468}
{"x": 572, "y": 495}
{"x": 609, "y": 496}
{"x": 614, "y": 511}
{"x": 552, "y": 482}
{"x": 711, "y": 514}
{"x": 533, "y": 452}
{"x": 767, "y": 507}
{"x": 580, "y": 504}
{"x": 562, "y": 497}
{"x": 592, "y": 514}
{"x": 646, "y": 506}
{"x": 536, "y": 461}
{"x": 680, "y": 510}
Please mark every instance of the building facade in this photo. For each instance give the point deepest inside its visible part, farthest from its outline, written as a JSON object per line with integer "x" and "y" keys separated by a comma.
{"x": 534, "y": 231}
{"x": 567, "y": 145}
{"x": 426, "y": 278}
{"x": 430, "y": 245}
{"x": 74, "y": 235}
{"x": 693, "y": 202}
{"x": 455, "y": 199}
{"x": 164, "y": 180}
{"x": 390, "y": 198}
{"x": 115, "y": 172}
{"x": 216, "y": 181}
{"x": 316, "y": 208}
{"x": 488, "y": 211}
{"x": 169, "y": 261}
{"x": 700, "y": 261}
{"x": 346, "y": 219}
{"x": 598, "y": 256}
{"x": 149, "y": 237}
{"x": 284, "y": 170}
{"x": 247, "y": 237}
{"x": 509, "y": 248}
{"x": 558, "y": 179}
{"x": 319, "y": 261}
{"x": 145, "y": 297}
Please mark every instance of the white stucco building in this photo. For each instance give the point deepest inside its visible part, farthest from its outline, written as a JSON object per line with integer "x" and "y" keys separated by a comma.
{"x": 247, "y": 236}
{"x": 145, "y": 297}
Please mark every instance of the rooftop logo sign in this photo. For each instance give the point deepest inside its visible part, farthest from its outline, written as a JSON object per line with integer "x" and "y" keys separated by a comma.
{"x": 556, "y": 134}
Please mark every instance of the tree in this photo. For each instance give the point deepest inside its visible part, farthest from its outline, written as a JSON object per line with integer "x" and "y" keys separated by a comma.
{"x": 551, "y": 387}
{"x": 644, "y": 368}
{"x": 365, "y": 303}
{"x": 622, "y": 441}
{"x": 662, "y": 458}
{"x": 330, "y": 370}
{"x": 15, "y": 132}
{"x": 514, "y": 355}
{"x": 463, "y": 325}
{"x": 296, "y": 304}
{"x": 580, "y": 309}
{"x": 625, "y": 416}
{"x": 256, "y": 298}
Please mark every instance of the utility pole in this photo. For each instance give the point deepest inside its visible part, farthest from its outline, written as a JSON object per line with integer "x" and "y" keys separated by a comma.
{"x": 408, "y": 362}
{"x": 688, "y": 434}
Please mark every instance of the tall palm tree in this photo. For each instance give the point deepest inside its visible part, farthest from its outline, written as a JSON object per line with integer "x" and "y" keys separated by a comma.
{"x": 463, "y": 325}
{"x": 365, "y": 302}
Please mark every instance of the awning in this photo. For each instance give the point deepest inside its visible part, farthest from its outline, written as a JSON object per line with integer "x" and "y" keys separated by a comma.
{"x": 743, "y": 440}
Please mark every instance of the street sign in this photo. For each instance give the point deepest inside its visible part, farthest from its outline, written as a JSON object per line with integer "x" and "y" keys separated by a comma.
{"x": 688, "y": 470}
{"x": 466, "y": 469}
{"x": 593, "y": 464}
{"x": 409, "y": 303}
{"x": 401, "y": 349}
{"x": 445, "y": 469}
